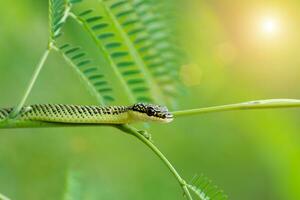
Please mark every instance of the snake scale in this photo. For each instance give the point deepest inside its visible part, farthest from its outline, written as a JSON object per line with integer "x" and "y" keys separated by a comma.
{"x": 61, "y": 113}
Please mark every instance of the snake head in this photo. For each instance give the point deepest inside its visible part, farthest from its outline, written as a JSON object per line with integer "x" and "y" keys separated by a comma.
{"x": 151, "y": 112}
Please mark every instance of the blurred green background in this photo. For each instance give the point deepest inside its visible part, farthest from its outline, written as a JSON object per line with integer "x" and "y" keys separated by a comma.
{"x": 238, "y": 51}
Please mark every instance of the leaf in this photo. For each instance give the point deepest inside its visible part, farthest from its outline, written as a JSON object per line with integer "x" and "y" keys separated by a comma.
{"x": 160, "y": 19}
{"x": 75, "y": 1}
{"x": 117, "y": 54}
{"x": 57, "y": 11}
{"x": 95, "y": 80}
{"x": 134, "y": 41}
{"x": 205, "y": 190}
{"x": 149, "y": 36}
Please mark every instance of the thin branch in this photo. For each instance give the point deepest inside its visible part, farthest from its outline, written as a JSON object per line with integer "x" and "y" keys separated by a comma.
{"x": 36, "y": 73}
{"x": 2, "y": 197}
{"x": 66, "y": 13}
{"x": 16, "y": 123}
{"x": 40, "y": 65}
{"x": 250, "y": 105}
{"x": 131, "y": 130}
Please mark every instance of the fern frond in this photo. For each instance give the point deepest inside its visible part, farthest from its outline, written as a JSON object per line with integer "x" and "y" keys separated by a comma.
{"x": 159, "y": 31}
{"x": 96, "y": 81}
{"x": 136, "y": 38}
{"x": 142, "y": 46}
{"x": 57, "y": 12}
{"x": 205, "y": 190}
{"x": 117, "y": 54}
{"x": 150, "y": 34}
{"x": 135, "y": 43}
{"x": 74, "y": 1}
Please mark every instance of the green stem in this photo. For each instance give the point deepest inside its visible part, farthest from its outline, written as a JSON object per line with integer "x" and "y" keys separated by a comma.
{"x": 2, "y": 197}
{"x": 15, "y": 123}
{"x": 261, "y": 104}
{"x": 135, "y": 132}
{"x": 36, "y": 73}
{"x": 250, "y": 105}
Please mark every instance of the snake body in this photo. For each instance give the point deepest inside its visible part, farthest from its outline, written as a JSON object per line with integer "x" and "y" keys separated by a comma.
{"x": 62, "y": 113}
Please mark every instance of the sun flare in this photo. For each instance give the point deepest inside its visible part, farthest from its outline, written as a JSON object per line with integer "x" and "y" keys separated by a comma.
{"x": 269, "y": 26}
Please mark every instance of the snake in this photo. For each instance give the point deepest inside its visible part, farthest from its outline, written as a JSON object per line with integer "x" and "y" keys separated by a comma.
{"x": 88, "y": 114}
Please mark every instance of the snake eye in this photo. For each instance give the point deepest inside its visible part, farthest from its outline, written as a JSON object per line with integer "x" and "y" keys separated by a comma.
{"x": 150, "y": 111}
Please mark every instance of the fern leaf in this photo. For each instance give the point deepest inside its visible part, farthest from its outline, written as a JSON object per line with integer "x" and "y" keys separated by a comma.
{"x": 57, "y": 11}
{"x": 148, "y": 34}
{"x": 74, "y": 1}
{"x": 205, "y": 190}
{"x": 138, "y": 39}
{"x": 135, "y": 43}
{"x": 118, "y": 56}
{"x": 96, "y": 80}
{"x": 161, "y": 34}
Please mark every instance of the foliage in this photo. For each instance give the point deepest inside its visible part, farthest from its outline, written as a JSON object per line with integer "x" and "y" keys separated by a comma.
{"x": 134, "y": 41}
{"x": 92, "y": 76}
{"x": 135, "y": 38}
{"x": 205, "y": 190}
{"x": 57, "y": 12}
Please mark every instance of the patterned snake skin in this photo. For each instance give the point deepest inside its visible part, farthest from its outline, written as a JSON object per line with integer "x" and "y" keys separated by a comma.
{"x": 70, "y": 113}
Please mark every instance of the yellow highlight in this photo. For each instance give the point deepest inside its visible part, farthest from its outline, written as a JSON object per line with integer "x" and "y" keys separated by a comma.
{"x": 270, "y": 26}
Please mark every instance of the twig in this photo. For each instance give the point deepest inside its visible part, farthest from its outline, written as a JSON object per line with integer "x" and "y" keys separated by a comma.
{"x": 2, "y": 197}
{"x": 131, "y": 130}
{"x": 250, "y": 105}
{"x": 36, "y": 73}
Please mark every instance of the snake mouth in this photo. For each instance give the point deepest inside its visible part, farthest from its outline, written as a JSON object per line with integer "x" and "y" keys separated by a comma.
{"x": 169, "y": 117}
{"x": 168, "y": 120}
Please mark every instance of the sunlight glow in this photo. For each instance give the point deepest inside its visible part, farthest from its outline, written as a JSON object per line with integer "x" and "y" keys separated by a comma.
{"x": 270, "y": 26}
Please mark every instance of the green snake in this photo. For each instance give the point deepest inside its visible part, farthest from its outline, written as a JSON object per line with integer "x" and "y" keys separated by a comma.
{"x": 61, "y": 113}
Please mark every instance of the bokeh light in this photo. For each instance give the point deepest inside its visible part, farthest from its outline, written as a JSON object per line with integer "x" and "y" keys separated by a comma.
{"x": 270, "y": 26}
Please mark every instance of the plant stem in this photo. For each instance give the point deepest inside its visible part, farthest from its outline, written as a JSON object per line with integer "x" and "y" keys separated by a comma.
{"x": 261, "y": 104}
{"x": 131, "y": 130}
{"x": 15, "y": 123}
{"x": 36, "y": 73}
{"x": 250, "y": 105}
{"x": 2, "y": 197}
